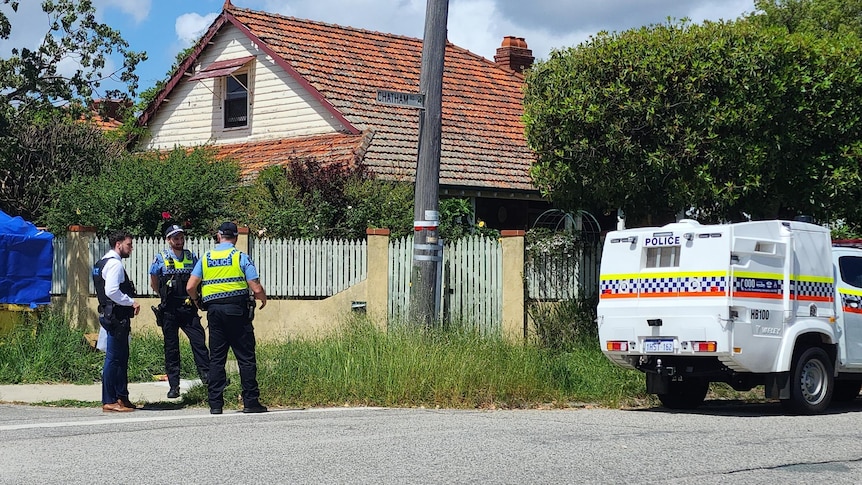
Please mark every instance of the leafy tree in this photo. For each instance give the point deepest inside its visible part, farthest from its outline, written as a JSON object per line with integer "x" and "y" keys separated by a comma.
{"x": 821, "y": 16}
{"x": 43, "y": 152}
{"x": 722, "y": 120}
{"x": 40, "y": 145}
{"x": 458, "y": 219}
{"x": 379, "y": 204}
{"x": 307, "y": 199}
{"x": 142, "y": 192}
{"x": 32, "y": 77}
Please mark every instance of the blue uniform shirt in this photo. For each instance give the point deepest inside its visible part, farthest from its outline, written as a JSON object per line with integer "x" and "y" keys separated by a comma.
{"x": 245, "y": 263}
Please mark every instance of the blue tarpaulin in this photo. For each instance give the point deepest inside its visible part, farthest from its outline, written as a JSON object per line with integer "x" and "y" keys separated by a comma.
{"x": 26, "y": 262}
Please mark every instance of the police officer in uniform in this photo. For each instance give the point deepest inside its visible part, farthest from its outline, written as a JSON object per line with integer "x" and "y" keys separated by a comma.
{"x": 169, "y": 274}
{"x": 226, "y": 276}
{"x": 116, "y": 293}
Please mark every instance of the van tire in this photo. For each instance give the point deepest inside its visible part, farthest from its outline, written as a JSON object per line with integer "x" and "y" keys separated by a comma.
{"x": 811, "y": 382}
{"x": 687, "y": 394}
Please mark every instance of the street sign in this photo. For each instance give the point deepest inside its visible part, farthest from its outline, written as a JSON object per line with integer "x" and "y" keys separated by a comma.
{"x": 414, "y": 100}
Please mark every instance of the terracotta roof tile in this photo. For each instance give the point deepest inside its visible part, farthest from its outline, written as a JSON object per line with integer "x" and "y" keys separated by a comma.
{"x": 483, "y": 142}
{"x": 104, "y": 124}
{"x": 337, "y": 148}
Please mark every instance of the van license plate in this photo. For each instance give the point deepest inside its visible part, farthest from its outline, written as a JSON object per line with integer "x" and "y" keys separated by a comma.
{"x": 658, "y": 345}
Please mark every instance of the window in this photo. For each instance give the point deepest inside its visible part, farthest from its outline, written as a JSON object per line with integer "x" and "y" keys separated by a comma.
{"x": 851, "y": 270}
{"x": 662, "y": 257}
{"x": 236, "y": 101}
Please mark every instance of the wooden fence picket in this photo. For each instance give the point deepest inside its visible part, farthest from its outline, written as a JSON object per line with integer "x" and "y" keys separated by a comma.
{"x": 471, "y": 272}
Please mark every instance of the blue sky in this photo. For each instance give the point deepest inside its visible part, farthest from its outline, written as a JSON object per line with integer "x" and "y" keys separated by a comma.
{"x": 163, "y": 28}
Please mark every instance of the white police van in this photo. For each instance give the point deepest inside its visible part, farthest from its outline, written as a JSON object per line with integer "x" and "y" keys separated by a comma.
{"x": 768, "y": 303}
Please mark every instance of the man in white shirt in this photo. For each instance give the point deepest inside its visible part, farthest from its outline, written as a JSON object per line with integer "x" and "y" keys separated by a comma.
{"x": 117, "y": 307}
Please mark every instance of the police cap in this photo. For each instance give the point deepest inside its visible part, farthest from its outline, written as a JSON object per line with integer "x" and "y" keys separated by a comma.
{"x": 174, "y": 229}
{"x": 228, "y": 229}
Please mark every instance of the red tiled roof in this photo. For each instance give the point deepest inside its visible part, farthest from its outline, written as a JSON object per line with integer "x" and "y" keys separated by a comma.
{"x": 104, "y": 114}
{"x": 483, "y": 143}
{"x": 340, "y": 148}
{"x": 104, "y": 124}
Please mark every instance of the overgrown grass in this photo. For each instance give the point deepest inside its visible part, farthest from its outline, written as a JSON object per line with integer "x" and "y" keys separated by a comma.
{"x": 47, "y": 349}
{"x": 363, "y": 365}
{"x": 359, "y": 365}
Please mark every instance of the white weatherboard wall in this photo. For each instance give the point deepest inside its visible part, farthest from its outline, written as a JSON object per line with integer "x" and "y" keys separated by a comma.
{"x": 279, "y": 107}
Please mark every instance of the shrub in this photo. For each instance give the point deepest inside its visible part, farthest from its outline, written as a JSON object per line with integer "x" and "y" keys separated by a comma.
{"x": 565, "y": 324}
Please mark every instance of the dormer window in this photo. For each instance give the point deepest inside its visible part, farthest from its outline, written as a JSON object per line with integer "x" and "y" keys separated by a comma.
{"x": 233, "y": 75}
{"x": 236, "y": 101}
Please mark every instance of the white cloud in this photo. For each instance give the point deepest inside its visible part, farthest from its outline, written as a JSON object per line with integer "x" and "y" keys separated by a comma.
{"x": 480, "y": 25}
{"x": 403, "y": 17}
{"x": 563, "y": 16}
{"x": 726, "y": 10}
{"x": 138, "y": 9}
{"x": 190, "y": 26}
{"x": 29, "y": 26}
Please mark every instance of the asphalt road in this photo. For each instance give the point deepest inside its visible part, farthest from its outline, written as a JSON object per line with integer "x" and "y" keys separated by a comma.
{"x": 721, "y": 443}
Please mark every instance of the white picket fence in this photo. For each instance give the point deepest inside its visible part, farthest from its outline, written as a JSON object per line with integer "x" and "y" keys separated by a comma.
{"x": 144, "y": 251}
{"x": 294, "y": 268}
{"x": 309, "y": 268}
{"x": 471, "y": 273}
{"x": 471, "y": 282}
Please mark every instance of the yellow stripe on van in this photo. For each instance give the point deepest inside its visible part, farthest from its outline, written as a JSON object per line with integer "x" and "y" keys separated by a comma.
{"x": 849, "y": 291}
{"x": 813, "y": 279}
{"x": 754, "y": 274}
{"x": 664, "y": 274}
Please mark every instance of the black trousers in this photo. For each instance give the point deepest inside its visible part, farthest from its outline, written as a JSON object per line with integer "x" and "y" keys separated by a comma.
{"x": 230, "y": 328}
{"x": 189, "y": 321}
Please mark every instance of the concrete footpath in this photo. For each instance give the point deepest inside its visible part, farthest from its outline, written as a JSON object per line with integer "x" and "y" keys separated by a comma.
{"x": 139, "y": 392}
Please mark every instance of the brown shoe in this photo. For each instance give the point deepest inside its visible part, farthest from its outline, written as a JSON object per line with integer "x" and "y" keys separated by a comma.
{"x": 126, "y": 403}
{"x": 115, "y": 407}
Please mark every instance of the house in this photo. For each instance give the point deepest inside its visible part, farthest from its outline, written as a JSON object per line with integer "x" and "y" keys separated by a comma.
{"x": 264, "y": 89}
{"x": 106, "y": 114}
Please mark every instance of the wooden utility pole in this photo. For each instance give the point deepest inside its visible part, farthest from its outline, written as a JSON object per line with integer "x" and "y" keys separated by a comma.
{"x": 427, "y": 252}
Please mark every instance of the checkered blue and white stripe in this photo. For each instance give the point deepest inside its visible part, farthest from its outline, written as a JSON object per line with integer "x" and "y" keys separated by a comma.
{"x": 801, "y": 289}
{"x": 661, "y": 285}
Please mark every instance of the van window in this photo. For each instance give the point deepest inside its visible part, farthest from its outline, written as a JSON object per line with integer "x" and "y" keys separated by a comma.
{"x": 662, "y": 257}
{"x": 851, "y": 270}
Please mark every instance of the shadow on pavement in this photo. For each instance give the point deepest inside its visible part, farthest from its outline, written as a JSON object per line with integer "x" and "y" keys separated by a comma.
{"x": 735, "y": 407}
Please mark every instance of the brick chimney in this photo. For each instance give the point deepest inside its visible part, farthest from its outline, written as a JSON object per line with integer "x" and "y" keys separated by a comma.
{"x": 513, "y": 54}
{"x": 109, "y": 108}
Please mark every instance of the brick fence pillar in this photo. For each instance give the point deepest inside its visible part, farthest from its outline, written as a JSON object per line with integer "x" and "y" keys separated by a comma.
{"x": 377, "y": 304}
{"x": 78, "y": 273}
{"x": 242, "y": 242}
{"x": 514, "y": 319}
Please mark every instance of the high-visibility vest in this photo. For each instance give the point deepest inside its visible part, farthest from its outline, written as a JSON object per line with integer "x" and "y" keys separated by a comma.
{"x": 222, "y": 275}
{"x": 175, "y": 275}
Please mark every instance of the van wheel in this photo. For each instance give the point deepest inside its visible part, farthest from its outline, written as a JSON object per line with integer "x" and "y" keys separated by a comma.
{"x": 811, "y": 382}
{"x": 687, "y": 394}
{"x": 846, "y": 391}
